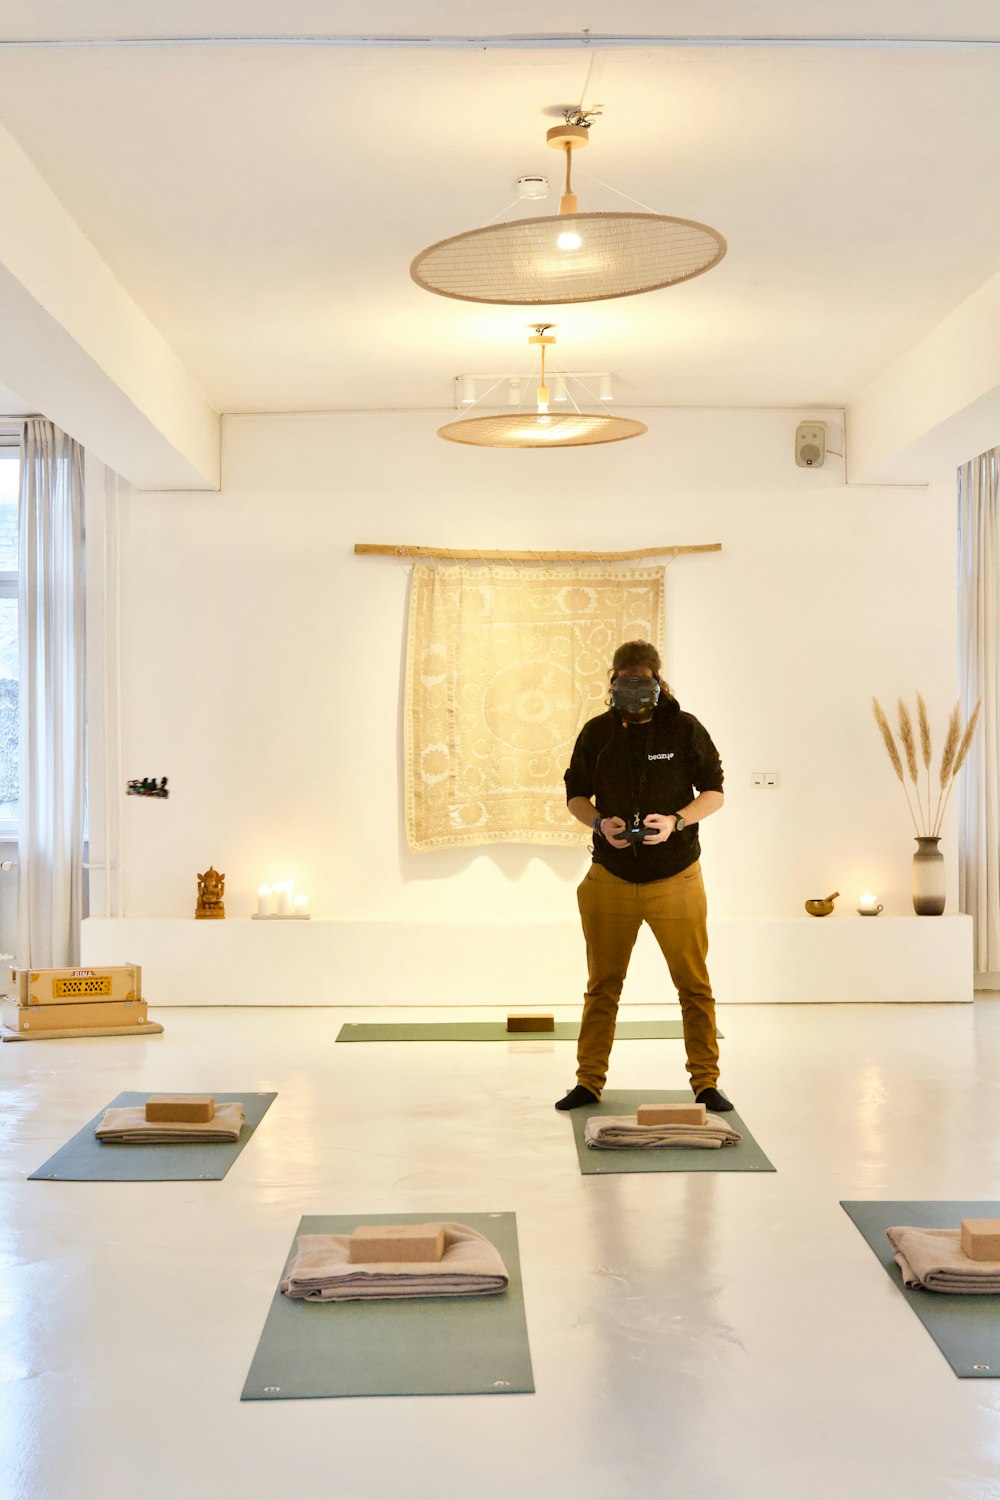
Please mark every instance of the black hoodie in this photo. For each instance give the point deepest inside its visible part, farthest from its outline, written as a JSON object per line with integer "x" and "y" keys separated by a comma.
{"x": 645, "y": 768}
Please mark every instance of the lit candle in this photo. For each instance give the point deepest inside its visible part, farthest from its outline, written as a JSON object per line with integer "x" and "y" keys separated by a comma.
{"x": 264, "y": 901}
{"x": 302, "y": 906}
{"x": 868, "y": 902}
{"x": 285, "y": 898}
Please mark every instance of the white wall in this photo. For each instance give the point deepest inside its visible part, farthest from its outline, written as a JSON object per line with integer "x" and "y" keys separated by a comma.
{"x": 262, "y": 660}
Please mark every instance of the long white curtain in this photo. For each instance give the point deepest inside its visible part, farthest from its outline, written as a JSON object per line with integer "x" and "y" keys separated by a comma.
{"x": 106, "y": 496}
{"x": 979, "y": 655}
{"x": 52, "y": 746}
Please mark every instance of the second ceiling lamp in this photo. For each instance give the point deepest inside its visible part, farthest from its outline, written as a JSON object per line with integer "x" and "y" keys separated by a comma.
{"x": 542, "y": 428}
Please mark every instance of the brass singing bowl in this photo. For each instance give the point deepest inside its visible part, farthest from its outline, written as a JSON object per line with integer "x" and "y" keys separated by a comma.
{"x": 822, "y": 908}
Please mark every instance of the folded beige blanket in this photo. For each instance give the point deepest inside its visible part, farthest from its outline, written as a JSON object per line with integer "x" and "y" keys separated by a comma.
{"x": 617, "y": 1131}
{"x": 321, "y": 1272}
{"x": 127, "y": 1126}
{"x": 935, "y": 1260}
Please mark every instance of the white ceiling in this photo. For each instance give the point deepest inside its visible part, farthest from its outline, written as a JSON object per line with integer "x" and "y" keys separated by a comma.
{"x": 262, "y": 203}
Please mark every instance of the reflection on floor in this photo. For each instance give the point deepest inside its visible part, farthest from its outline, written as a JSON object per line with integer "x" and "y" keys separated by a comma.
{"x": 720, "y": 1337}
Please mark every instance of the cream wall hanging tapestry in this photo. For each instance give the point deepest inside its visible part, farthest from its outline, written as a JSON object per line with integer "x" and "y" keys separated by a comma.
{"x": 503, "y": 666}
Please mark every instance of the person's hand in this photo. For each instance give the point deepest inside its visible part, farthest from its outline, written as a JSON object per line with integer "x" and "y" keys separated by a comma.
{"x": 662, "y": 826}
{"x": 610, "y": 828}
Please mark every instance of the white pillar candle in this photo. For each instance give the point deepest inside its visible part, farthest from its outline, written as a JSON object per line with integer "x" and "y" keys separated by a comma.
{"x": 264, "y": 901}
{"x": 284, "y": 899}
{"x": 301, "y": 906}
{"x": 867, "y": 902}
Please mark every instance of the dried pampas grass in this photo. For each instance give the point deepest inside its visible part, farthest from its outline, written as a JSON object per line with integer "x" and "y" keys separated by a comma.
{"x": 950, "y": 745}
{"x": 970, "y": 730}
{"x": 906, "y": 739}
{"x": 956, "y": 747}
{"x": 893, "y": 752}
{"x": 924, "y": 725}
{"x": 925, "y": 732}
{"x": 890, "y": 743}
{"x": 963, "y": 749}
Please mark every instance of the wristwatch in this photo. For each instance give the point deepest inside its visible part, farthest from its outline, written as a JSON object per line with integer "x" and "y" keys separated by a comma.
{"x": 679, "y": 822}
{"x": 596, "y": 825}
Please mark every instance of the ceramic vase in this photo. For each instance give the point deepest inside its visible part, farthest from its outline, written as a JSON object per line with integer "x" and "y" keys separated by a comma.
{"x": 928, "y": 878}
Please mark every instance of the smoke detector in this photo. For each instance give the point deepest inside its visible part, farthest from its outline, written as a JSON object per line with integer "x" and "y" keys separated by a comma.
{"x": 533, "y": 187}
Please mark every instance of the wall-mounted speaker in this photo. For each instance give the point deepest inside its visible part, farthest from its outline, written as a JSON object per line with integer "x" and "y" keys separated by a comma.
{"x": 810, "y": 445}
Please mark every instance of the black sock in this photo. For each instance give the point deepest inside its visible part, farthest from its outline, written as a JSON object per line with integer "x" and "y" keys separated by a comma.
{"x": 713, "y": 1100}
{"x": 576, "y": 1097}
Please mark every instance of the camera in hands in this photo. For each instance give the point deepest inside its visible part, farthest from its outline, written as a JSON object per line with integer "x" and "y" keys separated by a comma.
{"x": 636, "y": 834}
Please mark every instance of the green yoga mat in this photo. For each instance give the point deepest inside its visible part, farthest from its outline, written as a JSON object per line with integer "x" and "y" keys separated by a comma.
{"x": 746, "y": 1157}
{"x": 965, "y": 1328}
{"x": 86, "y": 1159}
{"x": 496, "y": 1031}
{"x": 437, "y": 1346}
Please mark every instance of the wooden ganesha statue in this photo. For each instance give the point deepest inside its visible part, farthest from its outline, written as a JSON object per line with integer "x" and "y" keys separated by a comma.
{"x": 211, "y": 889}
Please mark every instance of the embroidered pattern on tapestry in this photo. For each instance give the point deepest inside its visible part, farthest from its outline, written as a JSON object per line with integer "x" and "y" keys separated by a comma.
{"x": 503, "y": 667}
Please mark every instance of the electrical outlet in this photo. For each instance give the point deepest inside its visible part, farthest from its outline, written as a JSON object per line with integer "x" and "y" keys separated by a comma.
{"x": 771, "y": 778}
{"x": 756, "y": 778}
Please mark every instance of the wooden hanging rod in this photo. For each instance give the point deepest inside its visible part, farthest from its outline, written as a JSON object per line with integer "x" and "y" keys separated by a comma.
{"x": 458, "y": 555}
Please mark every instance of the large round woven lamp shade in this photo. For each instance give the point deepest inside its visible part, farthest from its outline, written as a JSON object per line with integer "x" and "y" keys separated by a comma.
{"x": 620, "y": 255}
{"x": 569, "y": 256}
{"x": 565, "y": 429}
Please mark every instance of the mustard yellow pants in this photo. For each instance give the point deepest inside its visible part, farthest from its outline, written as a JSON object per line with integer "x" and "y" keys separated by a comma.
{"x": 612, "y": 911}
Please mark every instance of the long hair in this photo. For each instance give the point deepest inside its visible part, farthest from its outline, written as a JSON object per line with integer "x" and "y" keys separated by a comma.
{"x": 633, "y": 654}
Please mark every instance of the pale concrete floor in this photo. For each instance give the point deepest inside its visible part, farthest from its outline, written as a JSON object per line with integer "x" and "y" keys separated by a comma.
{"x": 721, "y": 1336}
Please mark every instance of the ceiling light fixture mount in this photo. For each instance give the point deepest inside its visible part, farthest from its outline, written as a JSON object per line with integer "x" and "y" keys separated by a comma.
{"x": 541, "y": 428}
{"x": 569, "y": 256}
{"x": 491, "y": 389}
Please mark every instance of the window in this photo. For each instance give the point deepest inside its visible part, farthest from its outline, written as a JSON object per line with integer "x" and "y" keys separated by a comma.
{"x": 9, "y": 479}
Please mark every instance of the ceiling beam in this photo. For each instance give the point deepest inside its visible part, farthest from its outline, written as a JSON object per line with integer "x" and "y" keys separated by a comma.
{"x": 78, "y": 349}
{"x": 936, "y": 407}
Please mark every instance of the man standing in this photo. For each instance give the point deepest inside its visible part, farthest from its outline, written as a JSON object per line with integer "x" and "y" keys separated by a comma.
{"x": 643, "y": 775}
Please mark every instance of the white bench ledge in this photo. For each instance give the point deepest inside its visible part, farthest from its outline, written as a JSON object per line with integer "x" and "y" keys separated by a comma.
{"x": 753, "y": 959}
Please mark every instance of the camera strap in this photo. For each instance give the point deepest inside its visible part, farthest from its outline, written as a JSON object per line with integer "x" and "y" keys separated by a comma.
{"x": 637, "y": 741}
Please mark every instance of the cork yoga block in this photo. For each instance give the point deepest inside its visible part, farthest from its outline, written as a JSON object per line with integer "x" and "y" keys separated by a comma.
{"x": 519, "y": 1021}
{"x": 180, "y": 1109}
{"x": 399, "y": 1242}
{"x": 981, "y": 1238}
{"x": 670, "y": 1114}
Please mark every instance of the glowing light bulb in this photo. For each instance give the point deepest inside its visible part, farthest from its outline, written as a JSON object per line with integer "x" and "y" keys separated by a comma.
{"x": 569, "y": 240}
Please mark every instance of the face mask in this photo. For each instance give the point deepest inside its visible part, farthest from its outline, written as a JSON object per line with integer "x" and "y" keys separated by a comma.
{"x": 634, "y": 696}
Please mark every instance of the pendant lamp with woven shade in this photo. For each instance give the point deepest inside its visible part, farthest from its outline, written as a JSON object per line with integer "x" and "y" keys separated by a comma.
{"x": 569, "y": 256}
{"x": 542, "y": 428}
